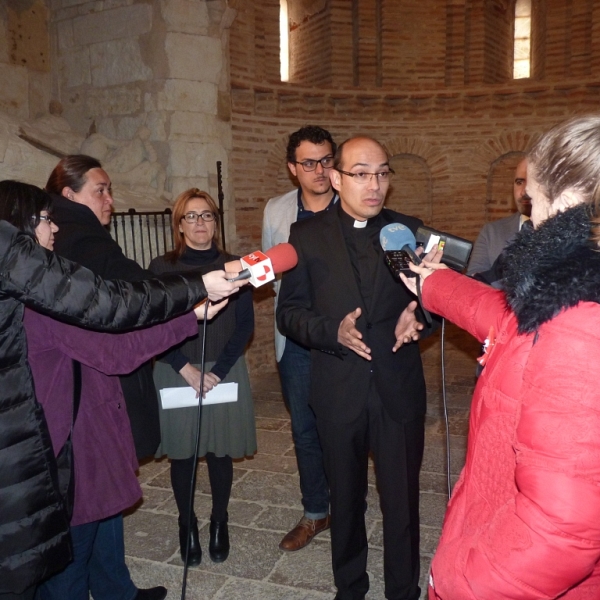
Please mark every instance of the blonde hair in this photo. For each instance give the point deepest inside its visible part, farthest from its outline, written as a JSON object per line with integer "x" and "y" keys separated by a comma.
{"x": 178, "y": 212}
{"x": 568, "y": 157}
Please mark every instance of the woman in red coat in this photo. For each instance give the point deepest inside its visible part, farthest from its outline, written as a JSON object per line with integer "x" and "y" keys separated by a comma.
{"x": 524, "y": 520}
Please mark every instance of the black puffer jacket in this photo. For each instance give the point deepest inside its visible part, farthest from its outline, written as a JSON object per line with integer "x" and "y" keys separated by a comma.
{"x": 34, "y": 538}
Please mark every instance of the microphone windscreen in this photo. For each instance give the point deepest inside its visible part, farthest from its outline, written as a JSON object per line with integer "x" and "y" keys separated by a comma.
{"x": 395, "y": 236}
{"x": 283, "y": 257}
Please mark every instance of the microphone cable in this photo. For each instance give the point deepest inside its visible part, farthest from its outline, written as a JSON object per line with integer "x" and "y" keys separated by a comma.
{"x": 445, "y": 405}
{"x": 197, "y": 444}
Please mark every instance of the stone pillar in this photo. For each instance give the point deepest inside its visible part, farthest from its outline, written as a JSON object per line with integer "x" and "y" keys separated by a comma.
{"x": 149, "y": 82}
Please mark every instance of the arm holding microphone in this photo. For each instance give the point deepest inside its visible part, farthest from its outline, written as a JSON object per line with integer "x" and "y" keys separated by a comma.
{"x": 428, "y": 265}
{"x": 448, "y": 293}
{"x": 219, "y": 285}
{"x": 400, "y": 251}
{"x": 255, "y": 268}
{"x": 261, "y": 267}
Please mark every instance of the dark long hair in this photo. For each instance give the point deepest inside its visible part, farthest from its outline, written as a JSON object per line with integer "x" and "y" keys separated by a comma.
{"x": 71, "y": 172}
{"x": 21, "y": 205}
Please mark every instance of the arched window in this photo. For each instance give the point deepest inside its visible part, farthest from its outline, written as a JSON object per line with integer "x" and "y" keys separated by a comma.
{"x": 284, "y": 41}
{"x": 522, "y": 52}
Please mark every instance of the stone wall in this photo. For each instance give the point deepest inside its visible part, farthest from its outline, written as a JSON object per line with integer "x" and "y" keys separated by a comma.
{"x": 24, "y": 58}
{"x": 146, "y": 82}
{"x": 158, "y": 68}
{"x": 432, "y": 80}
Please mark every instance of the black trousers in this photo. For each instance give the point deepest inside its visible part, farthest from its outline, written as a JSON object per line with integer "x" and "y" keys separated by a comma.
{"x": 28, "y": 594}
{"x": 398, "y": 452}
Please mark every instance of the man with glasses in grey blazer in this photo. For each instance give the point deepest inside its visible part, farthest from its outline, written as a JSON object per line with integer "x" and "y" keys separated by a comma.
{"x": 310, "y": 152}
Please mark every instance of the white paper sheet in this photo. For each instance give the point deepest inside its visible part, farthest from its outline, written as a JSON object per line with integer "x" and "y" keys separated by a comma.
{"x": 434, "y": 240}
{"x": 180, "y": 397}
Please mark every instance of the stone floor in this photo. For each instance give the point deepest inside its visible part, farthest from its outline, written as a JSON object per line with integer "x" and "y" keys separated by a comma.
{"x": 265, "y": 505}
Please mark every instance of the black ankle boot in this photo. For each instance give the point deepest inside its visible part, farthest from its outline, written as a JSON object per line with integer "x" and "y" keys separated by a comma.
{"x": 218, "y": 547}
{"x": 195, "y": 552}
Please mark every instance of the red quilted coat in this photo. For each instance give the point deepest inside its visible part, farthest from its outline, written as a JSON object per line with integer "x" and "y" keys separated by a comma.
{"x": 524, "y": 519}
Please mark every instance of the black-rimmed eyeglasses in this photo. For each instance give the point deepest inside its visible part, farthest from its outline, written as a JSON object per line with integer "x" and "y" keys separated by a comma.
{"x": 362, "y": 177}
{"x": 192, "y": 217}
{"x": 310, "y": 164}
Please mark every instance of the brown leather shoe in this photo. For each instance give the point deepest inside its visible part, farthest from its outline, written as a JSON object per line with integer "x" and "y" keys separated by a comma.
{"x": 303, "y": 533}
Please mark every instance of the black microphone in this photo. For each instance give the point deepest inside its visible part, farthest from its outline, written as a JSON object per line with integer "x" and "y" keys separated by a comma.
{"x": 399, "y": 245}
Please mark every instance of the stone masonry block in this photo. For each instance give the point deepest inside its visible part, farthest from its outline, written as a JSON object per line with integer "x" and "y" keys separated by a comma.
{"x": 106, "y": 127}
{"x": 40, "y": 86}
{"x": 197, "y": 58}
{"x": 115, "y": 101}
{"x": 191, "y": 126}
{"x": 186, "y": 16}
{"x": 64, "y": 34}
{"x": 189, "y": 95}
{"x": 63, "y": 4}
{"x": 3, "y": 41}
{"x": 117, "y": 62}
{"x": 14, "y": 91}
{"x": 193, "y": 159}
{"x": 128, "y": 127}
{"x": 76, "y": 68}
{"x": 126, "y": 22}
{"x": 181, "y": 184}
{"x": 156, "y": 121}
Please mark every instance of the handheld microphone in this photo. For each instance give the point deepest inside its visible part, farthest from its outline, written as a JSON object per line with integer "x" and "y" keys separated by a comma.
{"x": 399, "y": 245}
{"x": 261, "y": 267}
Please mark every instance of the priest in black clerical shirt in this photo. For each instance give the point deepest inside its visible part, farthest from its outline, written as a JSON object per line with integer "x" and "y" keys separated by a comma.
{"x": 368, "y": 390}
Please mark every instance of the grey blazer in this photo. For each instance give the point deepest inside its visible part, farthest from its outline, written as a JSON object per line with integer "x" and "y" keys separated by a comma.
{"x": 280, "y": 213}
{"x": 490, "y": 242}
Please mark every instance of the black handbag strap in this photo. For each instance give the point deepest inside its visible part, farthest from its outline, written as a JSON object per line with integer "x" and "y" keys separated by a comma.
{"x": 65, "y": 459}
{"x": 76, "y": 391}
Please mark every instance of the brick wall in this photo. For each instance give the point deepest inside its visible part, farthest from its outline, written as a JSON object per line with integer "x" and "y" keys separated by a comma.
{"x": 310, "y": 61}
{"x": 444, "y": 106}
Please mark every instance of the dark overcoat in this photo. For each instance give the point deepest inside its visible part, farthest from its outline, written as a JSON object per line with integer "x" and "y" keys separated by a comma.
{"x": 83, "y": 239}
{"x": 318, "y": 293}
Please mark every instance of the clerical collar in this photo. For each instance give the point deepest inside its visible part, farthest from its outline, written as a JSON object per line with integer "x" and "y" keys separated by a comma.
{"x": 351, "y": 222}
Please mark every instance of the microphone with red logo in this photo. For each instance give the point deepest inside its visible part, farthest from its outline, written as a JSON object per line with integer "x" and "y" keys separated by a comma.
{"x": 261, "y": 267}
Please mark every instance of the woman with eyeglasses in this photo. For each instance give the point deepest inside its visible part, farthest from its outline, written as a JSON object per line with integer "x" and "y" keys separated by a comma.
{"x": 227, "y": 430}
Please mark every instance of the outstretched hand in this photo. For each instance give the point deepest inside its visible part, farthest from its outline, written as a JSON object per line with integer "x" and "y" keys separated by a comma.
{"x": 407, "y": 328}
{"x": 213, "y": 309}
{"x": 431, "y": 262}
{"x": 219, "y": 286}
{"x": 350, "y": 337}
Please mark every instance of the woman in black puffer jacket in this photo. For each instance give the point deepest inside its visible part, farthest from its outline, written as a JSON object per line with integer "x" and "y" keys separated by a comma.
{"x": 34, "y": 540}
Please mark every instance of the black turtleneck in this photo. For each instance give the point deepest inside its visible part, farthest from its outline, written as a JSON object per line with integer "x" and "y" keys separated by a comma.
{"x": 241, "y": 303}
{"x": 364, "y": 250}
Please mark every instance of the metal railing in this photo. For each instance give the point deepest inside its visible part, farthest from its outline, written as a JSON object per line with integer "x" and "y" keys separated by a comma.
{"x": 142, "y": 235}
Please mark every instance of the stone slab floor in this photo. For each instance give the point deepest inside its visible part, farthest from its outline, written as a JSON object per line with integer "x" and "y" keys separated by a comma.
{"x": 265, "y": 504}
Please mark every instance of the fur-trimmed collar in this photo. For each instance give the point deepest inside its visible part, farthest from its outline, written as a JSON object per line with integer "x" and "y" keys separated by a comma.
{"x": 551, "y": 268}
